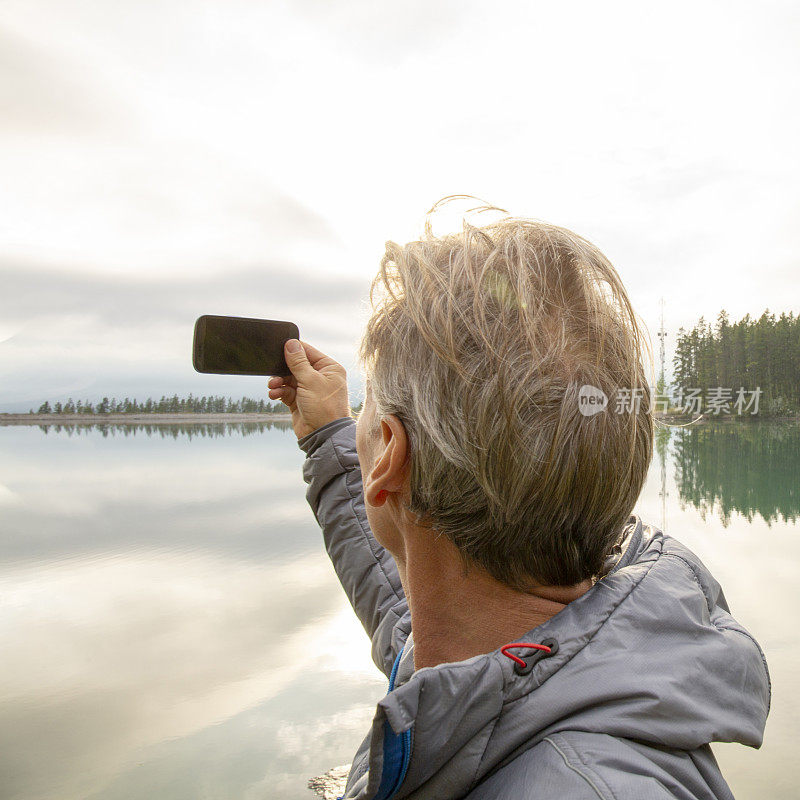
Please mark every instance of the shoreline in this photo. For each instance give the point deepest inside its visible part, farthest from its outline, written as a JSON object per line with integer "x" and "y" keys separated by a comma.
{"x": 727, "y": 418}
{"x": 194, "y": 418}
{"x": 138, "y": 419}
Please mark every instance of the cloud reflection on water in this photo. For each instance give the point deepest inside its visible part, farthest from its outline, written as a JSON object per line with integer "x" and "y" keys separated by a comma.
{"x": 172, "y": 625}
{"x": 140, "y": 608}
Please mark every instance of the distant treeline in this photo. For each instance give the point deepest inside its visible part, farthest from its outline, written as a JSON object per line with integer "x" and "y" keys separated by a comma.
{"x": 166, "y": 405}
{"x": 750, "y": 353}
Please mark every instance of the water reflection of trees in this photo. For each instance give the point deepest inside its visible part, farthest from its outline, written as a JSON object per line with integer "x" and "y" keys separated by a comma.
{"x": 748, "y": 468}
{"x": 190, "y": 430}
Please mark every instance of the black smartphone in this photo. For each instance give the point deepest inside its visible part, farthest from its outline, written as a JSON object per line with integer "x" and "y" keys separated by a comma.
{"x": 241, "y": 346}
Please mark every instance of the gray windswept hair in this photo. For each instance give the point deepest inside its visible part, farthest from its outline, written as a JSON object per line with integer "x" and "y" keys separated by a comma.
{"x": 479, "y": 343}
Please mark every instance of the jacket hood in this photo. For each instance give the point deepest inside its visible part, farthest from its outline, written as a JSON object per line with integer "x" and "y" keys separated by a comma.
{"x": 649, "y": 653}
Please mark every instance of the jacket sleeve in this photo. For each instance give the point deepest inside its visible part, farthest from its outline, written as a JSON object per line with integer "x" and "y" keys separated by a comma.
{"x": 365, "y": 569}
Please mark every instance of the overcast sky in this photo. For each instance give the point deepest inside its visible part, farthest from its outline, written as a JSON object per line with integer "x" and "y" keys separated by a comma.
{"x": 162, "y": 160}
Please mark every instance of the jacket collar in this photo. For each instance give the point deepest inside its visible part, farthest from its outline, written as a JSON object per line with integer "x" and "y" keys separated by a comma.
{"x": 443, "y": 728}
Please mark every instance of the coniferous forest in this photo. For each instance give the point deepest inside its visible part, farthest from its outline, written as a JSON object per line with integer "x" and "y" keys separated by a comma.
{"x": 166, "y": 405}
{"x": 750, "y": 353}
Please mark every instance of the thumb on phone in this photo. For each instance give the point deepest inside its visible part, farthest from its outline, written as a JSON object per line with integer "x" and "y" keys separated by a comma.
{"x": 317, "y": 391}
{"x": 296, "y": 358}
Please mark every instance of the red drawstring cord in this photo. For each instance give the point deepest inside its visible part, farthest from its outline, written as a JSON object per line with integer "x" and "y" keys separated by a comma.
{"x": 522, "y": 644}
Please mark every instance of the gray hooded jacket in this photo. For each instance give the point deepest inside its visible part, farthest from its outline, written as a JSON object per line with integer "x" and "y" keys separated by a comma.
{"x": 646, "y": 669}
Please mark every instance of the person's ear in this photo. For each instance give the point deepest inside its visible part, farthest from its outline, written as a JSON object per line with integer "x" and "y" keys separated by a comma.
{"x": 389, "y": 474}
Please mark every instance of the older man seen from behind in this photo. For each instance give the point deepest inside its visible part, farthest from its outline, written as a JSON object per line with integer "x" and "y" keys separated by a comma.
{"x": 540, "y": 639}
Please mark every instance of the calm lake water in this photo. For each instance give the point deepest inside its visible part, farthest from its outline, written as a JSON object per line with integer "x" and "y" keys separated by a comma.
{"x": 172, "y": 628}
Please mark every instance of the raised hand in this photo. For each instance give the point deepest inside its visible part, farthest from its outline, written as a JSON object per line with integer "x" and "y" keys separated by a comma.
{"x": 316, "y": 391}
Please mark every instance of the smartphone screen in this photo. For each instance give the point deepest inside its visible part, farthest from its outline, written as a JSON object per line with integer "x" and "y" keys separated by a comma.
{"x": 241, "y": 346}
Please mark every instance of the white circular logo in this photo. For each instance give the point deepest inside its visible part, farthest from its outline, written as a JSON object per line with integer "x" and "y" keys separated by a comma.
{"x": 591, "y": 400}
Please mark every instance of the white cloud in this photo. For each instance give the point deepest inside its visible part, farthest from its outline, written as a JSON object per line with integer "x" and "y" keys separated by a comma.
{"x": 191, "y": 141}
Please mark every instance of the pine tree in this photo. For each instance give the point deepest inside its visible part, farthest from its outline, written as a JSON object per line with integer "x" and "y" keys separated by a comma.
{"x": 748, "y": 354}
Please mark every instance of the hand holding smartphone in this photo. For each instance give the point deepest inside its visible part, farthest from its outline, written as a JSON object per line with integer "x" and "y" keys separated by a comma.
{"x": 311, "y": 384}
